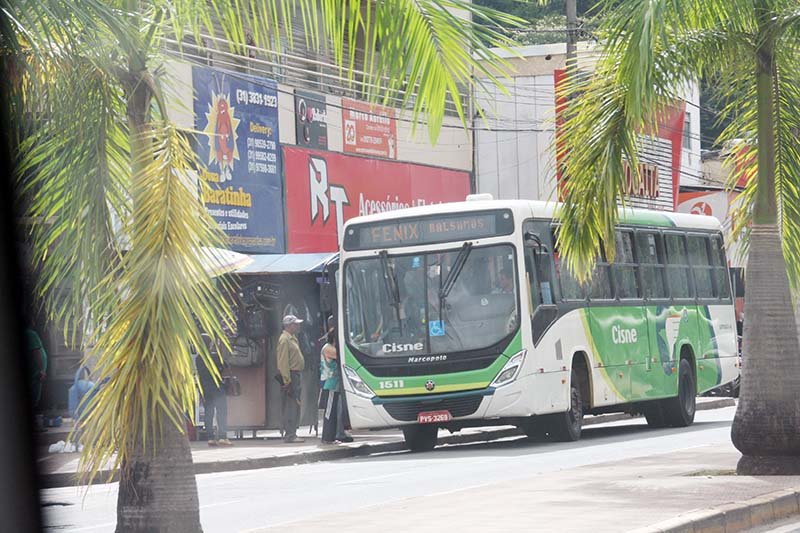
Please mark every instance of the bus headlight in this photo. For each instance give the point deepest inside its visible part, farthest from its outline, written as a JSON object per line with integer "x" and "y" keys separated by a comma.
{"x": 510, "y": 371}
{"x": 357, "y": 384}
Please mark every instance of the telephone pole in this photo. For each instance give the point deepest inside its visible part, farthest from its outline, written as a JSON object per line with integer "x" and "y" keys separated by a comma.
{"x": 572, "y": 35}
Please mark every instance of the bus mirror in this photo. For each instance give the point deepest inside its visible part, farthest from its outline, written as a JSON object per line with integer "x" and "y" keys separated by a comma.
{"x": 327, "y": 291}
{"x": 532, "y": 238}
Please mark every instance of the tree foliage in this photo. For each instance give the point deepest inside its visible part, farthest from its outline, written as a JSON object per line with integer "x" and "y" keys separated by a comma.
{"x": 650, "y": 51}
{"x": 117, "y": 224}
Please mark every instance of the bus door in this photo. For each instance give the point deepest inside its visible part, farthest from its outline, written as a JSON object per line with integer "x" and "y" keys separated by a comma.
{"x": 539, "y": 278}
{"x": 629, "y": 333}
{"x": 664, "y": 319}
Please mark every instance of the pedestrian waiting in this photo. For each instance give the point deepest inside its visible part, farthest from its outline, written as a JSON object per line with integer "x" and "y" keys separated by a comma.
{"x": 290, "y": 364}
{"x": 333, "y": 424}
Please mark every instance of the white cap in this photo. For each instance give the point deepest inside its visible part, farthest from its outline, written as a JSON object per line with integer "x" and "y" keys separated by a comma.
{"x": 291, "y": 319}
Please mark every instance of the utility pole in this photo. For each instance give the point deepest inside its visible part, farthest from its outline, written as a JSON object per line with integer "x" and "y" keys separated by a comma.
{"x": 572, "y": 36}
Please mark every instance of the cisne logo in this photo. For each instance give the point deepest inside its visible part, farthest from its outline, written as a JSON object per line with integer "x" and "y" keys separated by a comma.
{"x": 403, "y": 347}
{"x": 620, "y": 335}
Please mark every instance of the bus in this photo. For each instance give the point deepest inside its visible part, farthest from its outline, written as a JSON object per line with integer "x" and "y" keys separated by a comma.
{"x": 464, "y": 314}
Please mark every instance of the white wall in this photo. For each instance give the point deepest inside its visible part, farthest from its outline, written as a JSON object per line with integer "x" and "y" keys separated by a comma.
{"x": 513, "y": 143}
{"x": 178, "y": 95}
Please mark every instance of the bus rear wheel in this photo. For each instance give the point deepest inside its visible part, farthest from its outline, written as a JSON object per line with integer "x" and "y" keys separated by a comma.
{"x": 654, "y": 414}
{"x": 566, "y": 427}
{"x": 679, "y": 411}
{"x": 420, "y": 438}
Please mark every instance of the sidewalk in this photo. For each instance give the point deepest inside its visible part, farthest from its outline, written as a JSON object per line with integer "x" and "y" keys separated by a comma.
{"x": 267, "y": 451}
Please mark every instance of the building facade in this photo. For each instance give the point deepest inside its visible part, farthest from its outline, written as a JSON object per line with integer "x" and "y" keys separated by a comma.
{"x": 515, "y": 130}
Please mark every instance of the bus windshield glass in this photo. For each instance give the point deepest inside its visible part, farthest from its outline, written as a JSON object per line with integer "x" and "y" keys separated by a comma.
{"x": 431, "y": 303}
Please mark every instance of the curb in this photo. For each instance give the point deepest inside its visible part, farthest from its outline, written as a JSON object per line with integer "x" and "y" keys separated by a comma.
{"x": 743, "y": 516}
{"x": 68, "y": 479}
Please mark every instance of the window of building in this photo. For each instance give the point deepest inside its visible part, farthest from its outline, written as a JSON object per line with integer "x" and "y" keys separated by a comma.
{"x": 687, "y": 130}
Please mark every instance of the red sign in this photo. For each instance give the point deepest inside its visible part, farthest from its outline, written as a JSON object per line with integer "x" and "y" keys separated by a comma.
{"x": 369, "y": 129}
{"x": 324, "y": 189}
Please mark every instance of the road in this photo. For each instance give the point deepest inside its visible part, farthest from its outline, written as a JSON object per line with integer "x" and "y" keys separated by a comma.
{"x": 303, "y": 495}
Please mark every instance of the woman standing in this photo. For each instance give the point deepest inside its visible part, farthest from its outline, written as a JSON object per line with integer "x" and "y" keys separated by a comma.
{"x": 333, "y": 424}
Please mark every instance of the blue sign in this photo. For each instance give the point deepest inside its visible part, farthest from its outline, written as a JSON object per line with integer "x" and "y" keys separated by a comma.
{"x": 436, "y": 328}
{"x": 237, "y": 119}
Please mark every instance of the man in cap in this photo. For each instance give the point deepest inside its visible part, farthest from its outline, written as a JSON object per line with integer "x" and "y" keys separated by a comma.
{"x": 290, "y": 364}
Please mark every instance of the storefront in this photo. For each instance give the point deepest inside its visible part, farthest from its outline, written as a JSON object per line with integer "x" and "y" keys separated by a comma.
{"x": 282, "y": 198}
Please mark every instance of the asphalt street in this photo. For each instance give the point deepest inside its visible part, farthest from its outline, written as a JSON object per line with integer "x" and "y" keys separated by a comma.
{"x": 252, "y": 500}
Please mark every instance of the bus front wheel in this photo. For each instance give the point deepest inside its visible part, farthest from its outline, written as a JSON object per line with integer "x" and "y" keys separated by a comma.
{"x": 566, "y": 427}
{"x": 420, "y": 438}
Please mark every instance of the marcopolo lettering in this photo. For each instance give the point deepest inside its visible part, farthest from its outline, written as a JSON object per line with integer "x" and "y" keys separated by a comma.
{"x": 403, "y": 347}
{"x": 620, "y": 335}
{"x": 427, "y": 359}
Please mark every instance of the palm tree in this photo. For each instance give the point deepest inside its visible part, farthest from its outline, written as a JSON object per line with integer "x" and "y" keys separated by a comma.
{"x": 749, "y": 48}
{"x": 117, "y": 226}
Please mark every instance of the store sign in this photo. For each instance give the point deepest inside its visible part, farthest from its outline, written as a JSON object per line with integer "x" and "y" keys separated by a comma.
{"x": 237, "y": 117}
{"x": 645, "y": 185}
{"x": 369, "y": 129}
{"x": 323, "y": 190}
{"x": 311, "y": 119}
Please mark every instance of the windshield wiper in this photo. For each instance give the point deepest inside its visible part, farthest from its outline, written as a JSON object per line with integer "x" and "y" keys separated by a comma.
{"x": 392, "y": 286}
{"x": 450, "y": 281}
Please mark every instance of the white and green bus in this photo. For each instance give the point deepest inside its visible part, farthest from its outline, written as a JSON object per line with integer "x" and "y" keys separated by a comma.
{"x": 463, "y": 314}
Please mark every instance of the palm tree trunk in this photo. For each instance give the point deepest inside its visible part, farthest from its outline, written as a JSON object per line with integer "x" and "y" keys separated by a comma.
{"x": 766, "y": 428}
{"x": 157, "y": 488}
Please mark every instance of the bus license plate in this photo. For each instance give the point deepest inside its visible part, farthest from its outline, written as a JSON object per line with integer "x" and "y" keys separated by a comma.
{"x": 433, "y": 417}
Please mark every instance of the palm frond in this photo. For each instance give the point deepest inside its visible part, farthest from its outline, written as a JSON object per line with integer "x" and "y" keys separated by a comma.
{"x": 741, "y": 136}
{"x": 415, "y": 50}
{"x": 164, "y": 302}
{"x": 74, "y": 173}
{"x": 651, "y": 50}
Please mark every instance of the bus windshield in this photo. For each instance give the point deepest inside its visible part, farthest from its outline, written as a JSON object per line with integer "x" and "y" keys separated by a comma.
{"x": 431, "y": 303}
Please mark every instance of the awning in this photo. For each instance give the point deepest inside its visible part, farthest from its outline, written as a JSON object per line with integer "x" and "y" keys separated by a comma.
{"x": 287, "y": 263}
{"x": 219, "y": 261}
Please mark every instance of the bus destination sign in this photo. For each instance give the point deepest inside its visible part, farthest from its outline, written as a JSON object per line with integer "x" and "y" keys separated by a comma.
{"x": 428, "y": 230}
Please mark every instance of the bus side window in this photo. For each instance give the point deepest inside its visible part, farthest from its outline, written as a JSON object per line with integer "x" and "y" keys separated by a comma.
{"x": 678, "y": 269}
{"x": 570, "y": 288}
{"x": 722, "y": 283}
{"x": 626, "y": 274}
